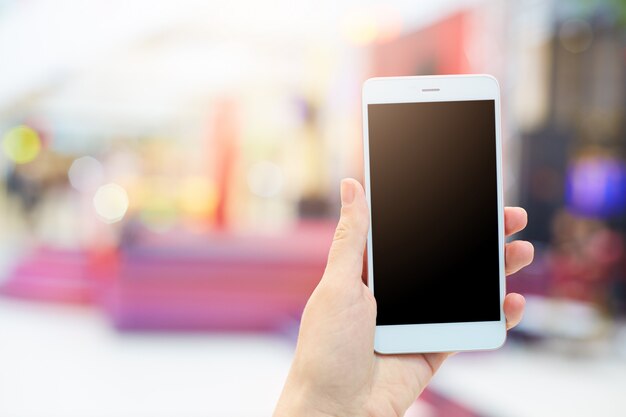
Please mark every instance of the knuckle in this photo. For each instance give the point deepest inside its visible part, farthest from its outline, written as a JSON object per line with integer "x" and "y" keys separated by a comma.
{"x": 341, "y": 232}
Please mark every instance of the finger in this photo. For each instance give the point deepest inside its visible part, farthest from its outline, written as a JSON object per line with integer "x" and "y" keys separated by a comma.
{"x": 513, "y": 309}
{"x": 515, "y": 219}
{"x": 345, "y": 259}
{"x": 517, "y": 255}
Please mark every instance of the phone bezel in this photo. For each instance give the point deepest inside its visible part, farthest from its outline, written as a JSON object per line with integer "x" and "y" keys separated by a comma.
{"x": 437, "y": 337}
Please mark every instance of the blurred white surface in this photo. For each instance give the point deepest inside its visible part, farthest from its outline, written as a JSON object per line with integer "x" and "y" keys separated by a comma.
{"x": 527, "y": 382}
{"x": 66, "y": 361}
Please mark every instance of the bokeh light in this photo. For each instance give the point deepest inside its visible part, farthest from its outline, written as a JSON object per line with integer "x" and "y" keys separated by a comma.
{"x": 361, "y": 27}
{"x": 597, "y": 186}
{"x": 85, "y": 173}
{"x": 198, "y": 196}
{"x": 389, "y": 23}
{"x": 265, "y": 179}
{"x": 159, "y": 214}
{"x": 21, "y": 144}
{"x": 576, "y": 35}
{"x": 111, "y": 202}
{"x": 364, "y": 26}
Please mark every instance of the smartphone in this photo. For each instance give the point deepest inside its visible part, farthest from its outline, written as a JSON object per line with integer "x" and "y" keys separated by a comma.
{"x": 433, "y": 179}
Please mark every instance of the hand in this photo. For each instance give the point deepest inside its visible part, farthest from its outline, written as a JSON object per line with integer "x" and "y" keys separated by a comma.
{"x": 335, "y": 371}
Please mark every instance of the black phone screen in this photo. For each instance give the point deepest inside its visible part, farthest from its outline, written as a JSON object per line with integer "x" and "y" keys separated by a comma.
{"x": 434, "y": 202}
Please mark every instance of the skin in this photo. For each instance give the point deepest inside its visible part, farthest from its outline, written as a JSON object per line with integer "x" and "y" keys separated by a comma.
{"x": 335, "y": 371}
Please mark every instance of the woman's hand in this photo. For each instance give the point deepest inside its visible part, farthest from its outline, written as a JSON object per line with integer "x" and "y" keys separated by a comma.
{"x": 335, "y": 371}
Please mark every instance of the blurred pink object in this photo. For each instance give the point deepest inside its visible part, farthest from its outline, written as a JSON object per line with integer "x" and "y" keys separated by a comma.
{"x": 61, "y": 275}
{"x": 218, "y": 282}
{"x": 184, "y": 281}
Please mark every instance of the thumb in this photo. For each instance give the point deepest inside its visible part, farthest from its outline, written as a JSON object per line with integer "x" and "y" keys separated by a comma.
{"x": 345, "y": 259}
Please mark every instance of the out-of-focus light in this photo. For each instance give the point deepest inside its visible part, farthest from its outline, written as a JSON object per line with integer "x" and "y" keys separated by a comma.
{"x": 265, "y": 179}
{"x": 576, "y": 35}
{"x": 361, "y": 27}
{"x": 21, "y": 144}
{"x": 376, "y": 24}
{"x": 390, "y": 23}
{"x": 85, "y": 173}
{"x": 159, "y": 214}
{"x": 111, "y": 202}
{"x": 198, "y": 196}
{"x": 596, "y": 187}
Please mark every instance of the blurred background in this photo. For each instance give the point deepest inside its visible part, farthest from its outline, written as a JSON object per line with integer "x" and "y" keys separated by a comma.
{"x": 169, "y": 186}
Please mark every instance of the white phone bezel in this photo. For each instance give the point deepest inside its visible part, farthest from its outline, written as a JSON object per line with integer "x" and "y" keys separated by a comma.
{"x": 441, "y": 337}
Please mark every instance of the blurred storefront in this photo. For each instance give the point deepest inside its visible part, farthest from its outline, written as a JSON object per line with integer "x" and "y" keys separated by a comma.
{"x": 172, "y": 168}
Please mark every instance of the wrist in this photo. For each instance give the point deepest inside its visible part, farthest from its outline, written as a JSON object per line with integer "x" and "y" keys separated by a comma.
{"x": 294, "y": 406}
{"x": 299, "y": 400}
{"x": 295, "y": 401}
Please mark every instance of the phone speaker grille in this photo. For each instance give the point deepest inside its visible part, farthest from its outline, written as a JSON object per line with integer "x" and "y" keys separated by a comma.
{"x": 428, "y": 90}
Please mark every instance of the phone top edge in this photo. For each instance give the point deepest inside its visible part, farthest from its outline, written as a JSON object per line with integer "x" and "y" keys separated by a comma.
{"x": 424, "y": 77}
{"x": 420, "y": 88}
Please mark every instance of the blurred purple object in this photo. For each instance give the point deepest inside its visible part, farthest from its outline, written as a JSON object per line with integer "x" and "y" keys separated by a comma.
{"x": 184, "y": 281}
{"x": 596, "y": 187}
{"x": 217, "y": 282}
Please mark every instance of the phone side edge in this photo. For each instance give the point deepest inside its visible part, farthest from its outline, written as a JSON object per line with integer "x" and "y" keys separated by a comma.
{"x": 500, "y": 195}
{"x": 366, "y": 181}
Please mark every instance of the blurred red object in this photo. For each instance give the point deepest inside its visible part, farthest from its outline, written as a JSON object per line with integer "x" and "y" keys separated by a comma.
{"x": 435, "y": 49}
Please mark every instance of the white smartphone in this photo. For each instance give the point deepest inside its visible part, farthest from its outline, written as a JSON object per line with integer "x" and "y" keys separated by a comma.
{"x": 433, "y": 179}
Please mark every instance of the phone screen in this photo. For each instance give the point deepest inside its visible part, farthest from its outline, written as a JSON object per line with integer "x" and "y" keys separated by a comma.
{"x": 434, "y": 202}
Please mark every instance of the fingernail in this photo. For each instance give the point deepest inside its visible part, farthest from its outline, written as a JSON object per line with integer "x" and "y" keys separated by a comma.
{"x": 347, "y": 192}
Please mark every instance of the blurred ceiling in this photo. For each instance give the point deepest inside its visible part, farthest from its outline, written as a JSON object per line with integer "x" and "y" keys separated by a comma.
{"x": 148, "y": 59}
